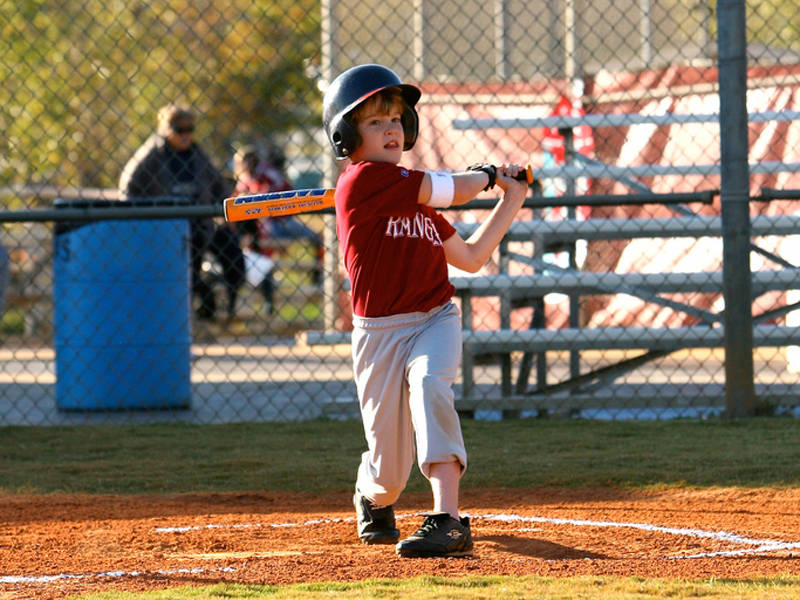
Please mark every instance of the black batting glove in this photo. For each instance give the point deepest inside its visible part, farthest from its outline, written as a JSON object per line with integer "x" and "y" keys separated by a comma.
{"x": 490, "y": 170}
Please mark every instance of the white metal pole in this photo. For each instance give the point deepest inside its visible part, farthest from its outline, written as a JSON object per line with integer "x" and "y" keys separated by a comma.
{"x": 500, "y": 51}
{"x": 332, "y": 281}
{"x": 419, "y": 40}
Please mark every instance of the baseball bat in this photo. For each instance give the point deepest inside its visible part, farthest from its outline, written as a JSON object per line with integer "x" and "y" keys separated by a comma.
{"x": 276, "y": 204}
{"x": 292, "y": 202}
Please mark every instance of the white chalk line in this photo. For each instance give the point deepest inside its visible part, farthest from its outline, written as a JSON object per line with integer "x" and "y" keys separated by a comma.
{"x": 109, "y": 574}
{"x": 250, "y": 525}
{"x": 760, "y": 545}
{"x": 744, "y": 551}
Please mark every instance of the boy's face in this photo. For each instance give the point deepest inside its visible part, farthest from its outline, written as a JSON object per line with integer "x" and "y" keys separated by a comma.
{"x": 381, "y": 133}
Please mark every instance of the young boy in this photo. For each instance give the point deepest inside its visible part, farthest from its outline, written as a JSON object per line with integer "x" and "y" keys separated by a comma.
{"x": 406, "y": 340}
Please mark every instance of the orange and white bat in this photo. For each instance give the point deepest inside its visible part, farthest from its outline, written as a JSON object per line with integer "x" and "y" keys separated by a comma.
{"x": 277, "y": 204}
{"x": 292, "y": 202}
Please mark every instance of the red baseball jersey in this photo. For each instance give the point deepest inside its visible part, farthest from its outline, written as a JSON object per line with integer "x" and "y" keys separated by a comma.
{"x": 391, "y": 244}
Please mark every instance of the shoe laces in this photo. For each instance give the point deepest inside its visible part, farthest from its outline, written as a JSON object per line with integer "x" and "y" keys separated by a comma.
{"x": 430, "y": 523}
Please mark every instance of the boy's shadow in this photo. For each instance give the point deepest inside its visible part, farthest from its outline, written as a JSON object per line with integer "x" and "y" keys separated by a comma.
{"x": 535, "y": 548}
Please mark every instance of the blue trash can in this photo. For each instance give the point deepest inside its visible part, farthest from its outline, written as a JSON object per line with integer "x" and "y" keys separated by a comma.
{"x": 121, "y": 313}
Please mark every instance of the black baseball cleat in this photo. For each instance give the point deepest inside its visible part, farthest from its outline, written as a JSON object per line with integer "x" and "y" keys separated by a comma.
{"x": 439, "y": 536}
{"x": 375, "y": 525}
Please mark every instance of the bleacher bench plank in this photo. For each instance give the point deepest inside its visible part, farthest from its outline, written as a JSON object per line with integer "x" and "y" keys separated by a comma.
{"x": 587, "y": 283}
{"x": 607, "y": 338}
{"x": 619, "y": 338}
{"x": 605, "y": 229}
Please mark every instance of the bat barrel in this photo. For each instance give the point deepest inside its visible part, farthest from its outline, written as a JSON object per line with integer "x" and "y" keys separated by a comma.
{"x": 276, "y": 204}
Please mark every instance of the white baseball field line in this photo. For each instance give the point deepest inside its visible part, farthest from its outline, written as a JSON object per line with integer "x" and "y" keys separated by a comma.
{"x": 756, "y": 545}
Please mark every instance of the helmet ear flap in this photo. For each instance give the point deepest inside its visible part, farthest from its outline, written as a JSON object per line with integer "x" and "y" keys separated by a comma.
{"x": 410, "y": 122}
{"x": 344, "y": 137}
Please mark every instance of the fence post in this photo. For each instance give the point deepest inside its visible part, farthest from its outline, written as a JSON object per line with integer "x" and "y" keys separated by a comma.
{"x": 574, "y": 299}
{"x": 735, "y": 197}
{"x": 331, "y": 280}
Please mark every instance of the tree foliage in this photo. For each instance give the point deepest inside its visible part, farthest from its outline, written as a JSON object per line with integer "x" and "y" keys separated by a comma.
{"x": 83, "y": 79}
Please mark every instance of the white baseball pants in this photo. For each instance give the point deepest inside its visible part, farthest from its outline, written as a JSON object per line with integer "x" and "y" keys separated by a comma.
{"x": 404, "y": 367}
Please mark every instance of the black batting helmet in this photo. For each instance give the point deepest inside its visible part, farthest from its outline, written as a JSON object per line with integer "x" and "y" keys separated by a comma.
{"x": 349, "y": 90}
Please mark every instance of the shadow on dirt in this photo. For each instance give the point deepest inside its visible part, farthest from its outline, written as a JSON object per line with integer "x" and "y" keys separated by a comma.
{"x": 535, "y": 548}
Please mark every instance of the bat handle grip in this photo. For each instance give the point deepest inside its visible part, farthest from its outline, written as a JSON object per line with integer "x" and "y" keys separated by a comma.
{"x": 526, "y": 175}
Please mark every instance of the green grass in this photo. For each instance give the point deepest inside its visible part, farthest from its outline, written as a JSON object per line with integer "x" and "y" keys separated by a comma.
{"x": 488, "y": 588}
{"x": 322, "y": 456}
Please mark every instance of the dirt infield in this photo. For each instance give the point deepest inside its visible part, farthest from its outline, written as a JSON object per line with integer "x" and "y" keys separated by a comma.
{"x": 55, "y": 545}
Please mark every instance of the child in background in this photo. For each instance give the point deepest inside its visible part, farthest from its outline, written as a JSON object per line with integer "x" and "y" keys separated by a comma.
{"x": 256, "y": 176}
{"x": 406, "y": 340}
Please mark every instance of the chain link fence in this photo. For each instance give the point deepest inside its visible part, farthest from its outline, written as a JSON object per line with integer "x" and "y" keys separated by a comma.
{"x": 126, "y": 303}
